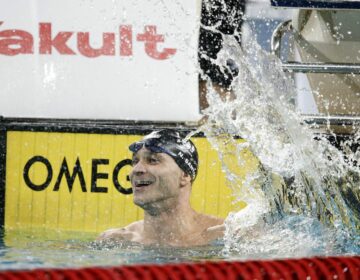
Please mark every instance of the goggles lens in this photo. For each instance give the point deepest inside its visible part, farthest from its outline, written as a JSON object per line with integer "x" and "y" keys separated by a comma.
{"x": 153, "y": 145}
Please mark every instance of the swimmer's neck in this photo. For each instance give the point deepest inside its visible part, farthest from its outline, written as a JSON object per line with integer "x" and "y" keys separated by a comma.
{"x": 170, "y": 224}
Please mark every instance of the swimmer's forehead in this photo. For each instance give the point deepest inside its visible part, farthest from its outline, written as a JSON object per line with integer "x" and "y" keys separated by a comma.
{"x": 146, "y": 152}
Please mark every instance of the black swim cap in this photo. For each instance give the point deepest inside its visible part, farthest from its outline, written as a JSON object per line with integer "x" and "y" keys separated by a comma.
{"x": 170, "y": 142}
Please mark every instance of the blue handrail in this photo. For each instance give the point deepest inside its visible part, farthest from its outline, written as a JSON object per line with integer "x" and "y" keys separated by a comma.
{"x": 317, "y": 4}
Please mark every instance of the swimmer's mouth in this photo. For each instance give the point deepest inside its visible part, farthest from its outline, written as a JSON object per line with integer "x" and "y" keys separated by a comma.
{"x": 142, "y": 183}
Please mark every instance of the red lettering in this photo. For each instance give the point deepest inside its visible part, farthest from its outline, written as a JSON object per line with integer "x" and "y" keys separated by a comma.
{"x": 59, "y": 42}
{"x": 108, "y": 47}
{"x": 16, "y": 42}
{"x": 126, "y": 40}
{"x": 151, "y": 39}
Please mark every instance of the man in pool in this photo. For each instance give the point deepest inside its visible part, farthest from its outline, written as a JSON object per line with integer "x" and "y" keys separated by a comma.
{"x": 164, "y": 167}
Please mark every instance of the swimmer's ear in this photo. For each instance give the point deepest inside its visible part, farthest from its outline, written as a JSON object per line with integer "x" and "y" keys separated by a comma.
{"x": 185, "y": 179}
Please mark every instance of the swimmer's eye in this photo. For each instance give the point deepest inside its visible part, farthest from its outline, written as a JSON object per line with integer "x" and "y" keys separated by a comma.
{"x": 134, "y": 161}
{"x": 153, "y": 160}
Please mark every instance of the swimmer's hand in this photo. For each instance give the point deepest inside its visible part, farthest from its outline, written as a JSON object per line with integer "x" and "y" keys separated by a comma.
{"x": 115, "y": 234}
{"x": 128, "y": 233}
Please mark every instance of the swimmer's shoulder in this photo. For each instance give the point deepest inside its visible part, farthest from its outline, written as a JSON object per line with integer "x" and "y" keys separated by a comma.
{"x": 125, "y": 233}
{"x": 213, "y": 228}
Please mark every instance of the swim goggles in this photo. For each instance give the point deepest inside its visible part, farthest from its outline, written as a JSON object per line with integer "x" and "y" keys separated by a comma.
{"x": 152, "y": 144}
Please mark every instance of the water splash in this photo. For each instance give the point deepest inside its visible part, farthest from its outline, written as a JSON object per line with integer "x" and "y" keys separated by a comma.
{"x": 300, "y": 174}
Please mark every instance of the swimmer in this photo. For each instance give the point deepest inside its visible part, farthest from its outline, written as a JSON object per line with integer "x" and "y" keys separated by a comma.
{"x": 164, "y": 168}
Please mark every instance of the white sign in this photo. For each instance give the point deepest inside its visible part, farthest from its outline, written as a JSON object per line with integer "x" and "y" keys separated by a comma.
{"x": 97, "y": 59}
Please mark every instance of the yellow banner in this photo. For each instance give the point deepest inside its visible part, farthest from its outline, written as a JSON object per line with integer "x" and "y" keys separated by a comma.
{"x": 77, "y": 181}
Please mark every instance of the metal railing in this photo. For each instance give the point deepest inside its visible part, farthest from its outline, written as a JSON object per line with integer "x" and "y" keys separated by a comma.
{"x": 331, "y": 120}
{"x": 299, "y": 67}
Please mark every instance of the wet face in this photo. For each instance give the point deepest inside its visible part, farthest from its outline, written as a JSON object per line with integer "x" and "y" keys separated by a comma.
{"x": 155, "y": 177}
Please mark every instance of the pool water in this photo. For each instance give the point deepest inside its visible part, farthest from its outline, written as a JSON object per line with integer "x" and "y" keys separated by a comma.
{"x": 291, "y": 237}
{"x": 37, "y": 248}
{"x": 301, "y": 174}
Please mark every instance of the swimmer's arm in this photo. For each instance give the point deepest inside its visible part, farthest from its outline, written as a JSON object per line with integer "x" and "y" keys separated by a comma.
{"x": 215, "y": 232}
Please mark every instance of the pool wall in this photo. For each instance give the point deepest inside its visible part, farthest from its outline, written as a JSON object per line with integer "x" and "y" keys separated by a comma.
{"x": 72, "y": 174}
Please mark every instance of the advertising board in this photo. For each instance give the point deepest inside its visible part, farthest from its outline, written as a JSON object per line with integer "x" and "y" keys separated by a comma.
{"x": 94, "y": 59}
{"x": 78, "y": 181}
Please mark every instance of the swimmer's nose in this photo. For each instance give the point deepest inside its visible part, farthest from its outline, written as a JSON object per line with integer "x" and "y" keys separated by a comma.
{"x": 139, "y": 168}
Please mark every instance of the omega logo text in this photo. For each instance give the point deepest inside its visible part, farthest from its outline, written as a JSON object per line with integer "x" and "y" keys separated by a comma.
{"x": 77, "y": 172}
